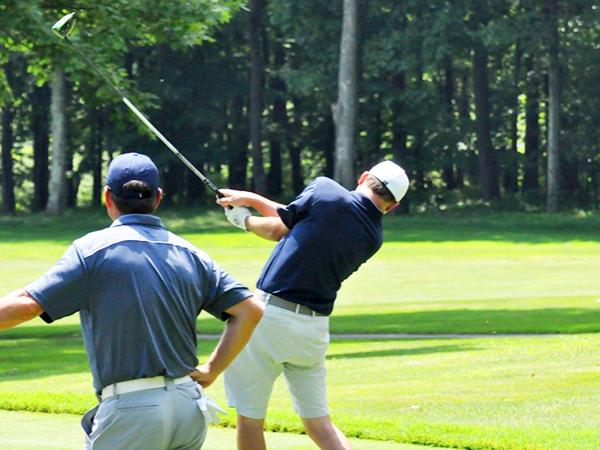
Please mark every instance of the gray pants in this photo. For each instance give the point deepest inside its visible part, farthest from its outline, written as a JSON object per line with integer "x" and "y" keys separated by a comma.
{"x": 155, "y": 419}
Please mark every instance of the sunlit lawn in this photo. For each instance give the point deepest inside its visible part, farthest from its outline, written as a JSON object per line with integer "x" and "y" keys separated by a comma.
{"x": 505, "y": 273}
{"x": 509, "y": 274}
{"x": 501, "y": 393}
{"x": 22, "y": 431}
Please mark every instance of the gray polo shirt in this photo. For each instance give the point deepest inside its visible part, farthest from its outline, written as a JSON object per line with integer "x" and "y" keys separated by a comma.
{"x": 138, "y": 289}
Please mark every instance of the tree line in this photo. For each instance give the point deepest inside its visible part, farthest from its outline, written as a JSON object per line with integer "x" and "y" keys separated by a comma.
{"x": 480, "y": 100}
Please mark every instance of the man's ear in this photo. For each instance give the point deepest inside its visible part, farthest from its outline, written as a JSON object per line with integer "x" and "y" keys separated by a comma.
{"x": 391, "y": 207}
{"x": 362, "y": 178}
{"x": 158, "y": 198}
{"x": 107, "y": 198}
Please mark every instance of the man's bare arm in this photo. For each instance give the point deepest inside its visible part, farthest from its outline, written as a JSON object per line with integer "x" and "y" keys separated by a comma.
{"x": 18, "y": 307}
{"x": 271, "y": 228}
{"x": 244, "y": 318}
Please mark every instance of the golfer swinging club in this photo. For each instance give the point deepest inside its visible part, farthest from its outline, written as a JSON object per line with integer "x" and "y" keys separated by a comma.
{"x": 139, "y": 289}
{"x": 324, "y": 236}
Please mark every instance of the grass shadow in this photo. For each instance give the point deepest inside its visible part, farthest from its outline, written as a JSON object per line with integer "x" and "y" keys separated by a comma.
{"x": 32, "y": 358}
{"x": 206, "y": 325}
{"x": 399, "y": 351}
{"x": 469, "y": 321}
{"x": 454, "y": 321}
{"x": 527, "y": 228}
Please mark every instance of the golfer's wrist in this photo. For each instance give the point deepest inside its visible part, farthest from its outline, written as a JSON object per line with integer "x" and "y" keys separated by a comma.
{"x": 249, "y": 223}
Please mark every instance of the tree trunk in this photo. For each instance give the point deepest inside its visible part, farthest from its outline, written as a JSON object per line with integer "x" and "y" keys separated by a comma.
{"x": 256, "y": 93}
{"x": 448, "y": 170}
{"x": 399, "y": 133}
{"x": 73, "y": 177}
{"x": 532, "y": 129}
{"x": 419, "y": 130}
{"x": 345, "y": 109}
{"x": 40, "y": 100}
{"x": 278, "y": 88}
{"x": 488, "y": 166}
{"x": 8, "y": 140}
{"x": 375, "y": 135}
{"x": 553, "y": 176}
{"x": 237, "y": 140}
{"x": 295, "y": 150}
{"x": 398, "y": 106}
{"x": 97, "y": 122}
{"x": 464, "y": 122}
{"x": 511, "y": 168}
{"x": 57, "y": 196}
{"x": 7, "y": 143}
{"x": 329, "y": 148}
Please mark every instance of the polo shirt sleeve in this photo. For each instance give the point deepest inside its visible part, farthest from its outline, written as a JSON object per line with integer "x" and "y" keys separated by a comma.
{"x": 221, "y": 292}
{"x": 61, "y": 290}
{"x": 298, "y": 209}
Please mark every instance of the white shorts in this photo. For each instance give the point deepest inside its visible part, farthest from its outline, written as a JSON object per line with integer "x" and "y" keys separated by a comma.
{"x": 287, "y": 342}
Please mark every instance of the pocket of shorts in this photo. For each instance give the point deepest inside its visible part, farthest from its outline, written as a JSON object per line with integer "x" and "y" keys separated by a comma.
{"x": 190, "y": 392}
{"x": 87, "y": 421}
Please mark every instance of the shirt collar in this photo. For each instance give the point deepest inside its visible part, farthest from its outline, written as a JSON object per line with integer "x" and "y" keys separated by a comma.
{"x": 138, "y": 219}
{"x": 370, "y": 206}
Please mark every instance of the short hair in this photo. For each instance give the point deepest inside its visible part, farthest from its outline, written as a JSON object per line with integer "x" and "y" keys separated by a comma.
{"x": 144, "y": 204}
{"x": 377, "y": 187}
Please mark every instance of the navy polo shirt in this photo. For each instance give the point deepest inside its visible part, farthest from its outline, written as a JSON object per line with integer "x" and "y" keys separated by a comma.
{"x": 332, "y": 232}
{"x": 138, "y": 289}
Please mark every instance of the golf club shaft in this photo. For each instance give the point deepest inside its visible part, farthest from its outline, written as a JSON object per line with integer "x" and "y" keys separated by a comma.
{"x": 146, "y": 122}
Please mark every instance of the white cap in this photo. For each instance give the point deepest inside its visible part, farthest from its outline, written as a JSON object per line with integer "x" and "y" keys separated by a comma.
{"x": 393, "y": 177}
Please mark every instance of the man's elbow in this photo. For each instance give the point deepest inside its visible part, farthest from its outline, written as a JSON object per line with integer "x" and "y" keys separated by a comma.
{"x": 278, "y": 232}
{"x": 18, "y": 307}
{"x": 254, "y": 311}
{"x": 248, "y": 312}
{"x": 33, "y": 309}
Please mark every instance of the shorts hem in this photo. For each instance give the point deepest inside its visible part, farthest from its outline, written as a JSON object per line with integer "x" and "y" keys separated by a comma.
{"x": 251, "y": 414}
{"x": 313, "y": 414}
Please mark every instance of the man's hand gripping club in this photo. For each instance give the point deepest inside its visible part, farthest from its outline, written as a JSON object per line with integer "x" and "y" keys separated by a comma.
{"x": 270, "y": 226}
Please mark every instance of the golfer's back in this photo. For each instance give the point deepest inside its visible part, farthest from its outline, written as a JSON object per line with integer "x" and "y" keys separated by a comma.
{"x": 143, "y": 290}
{"x": 332, "y": 232}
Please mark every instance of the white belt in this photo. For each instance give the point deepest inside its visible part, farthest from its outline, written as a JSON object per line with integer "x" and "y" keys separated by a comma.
{"x": 141, "y": 384}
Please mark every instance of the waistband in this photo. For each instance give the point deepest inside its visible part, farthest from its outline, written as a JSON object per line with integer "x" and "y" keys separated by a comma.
{"x": 141, "y": 384}
{"x": 282, "y": 303}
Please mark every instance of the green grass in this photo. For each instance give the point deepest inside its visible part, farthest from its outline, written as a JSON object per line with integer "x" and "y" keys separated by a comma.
{"x": 505, "y": 273}
{"x": 502, "y": 273}
{"x": 500, "y": 393}
{"x": 21, "y": 431}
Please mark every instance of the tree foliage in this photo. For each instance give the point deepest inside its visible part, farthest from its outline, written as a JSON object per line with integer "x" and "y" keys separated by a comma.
{"x": 457, "y": 91}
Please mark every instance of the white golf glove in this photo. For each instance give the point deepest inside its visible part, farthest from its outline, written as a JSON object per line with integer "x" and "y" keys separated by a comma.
{"x": 237, "y": 216}
{"x": 209, "y": 408}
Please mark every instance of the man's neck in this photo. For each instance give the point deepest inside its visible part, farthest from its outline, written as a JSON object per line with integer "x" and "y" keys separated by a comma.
{"x": 375, "y": 199}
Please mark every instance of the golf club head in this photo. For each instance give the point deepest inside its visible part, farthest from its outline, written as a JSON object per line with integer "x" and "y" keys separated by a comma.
{"x": 64, "y": 26}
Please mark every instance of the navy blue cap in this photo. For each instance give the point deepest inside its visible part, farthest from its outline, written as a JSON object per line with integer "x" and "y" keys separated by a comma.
{"x": 128, "y": 167}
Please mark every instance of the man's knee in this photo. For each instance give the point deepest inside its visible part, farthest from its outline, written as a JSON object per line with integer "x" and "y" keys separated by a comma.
{"x": 250, "y": 424}
{"x": 250, "y": 434}
{"x": 320, "y": 426}
{"x": 325, "y": 434}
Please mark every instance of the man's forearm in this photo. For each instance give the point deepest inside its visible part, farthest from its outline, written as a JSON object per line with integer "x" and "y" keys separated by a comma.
{"x": 271, "y": 228}
{"x": 265, "y": 206}
{"x": 16, "y": 308}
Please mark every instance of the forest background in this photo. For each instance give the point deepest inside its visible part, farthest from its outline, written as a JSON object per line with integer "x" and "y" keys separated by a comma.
{"x": 482, "y": 101}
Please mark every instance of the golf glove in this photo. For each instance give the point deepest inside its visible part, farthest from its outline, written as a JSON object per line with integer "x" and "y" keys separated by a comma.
{"x": 237, "y": 216}
{"x": 209, "y": 408}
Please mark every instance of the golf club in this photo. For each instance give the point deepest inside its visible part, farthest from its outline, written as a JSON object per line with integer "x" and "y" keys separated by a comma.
{"x": 62, "y": 28}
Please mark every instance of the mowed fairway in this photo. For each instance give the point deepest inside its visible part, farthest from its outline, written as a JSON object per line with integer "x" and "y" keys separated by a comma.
{"x": 498, "y": 274}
